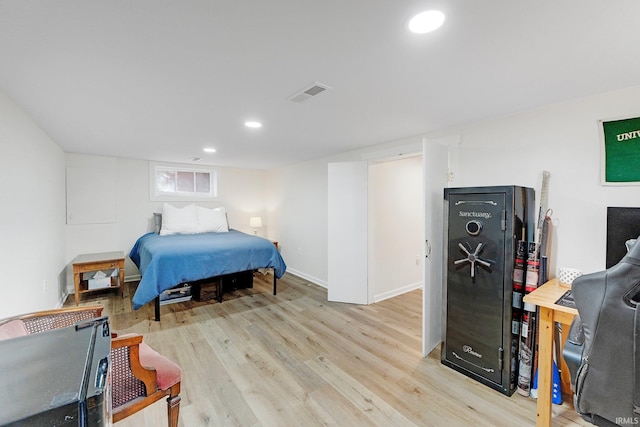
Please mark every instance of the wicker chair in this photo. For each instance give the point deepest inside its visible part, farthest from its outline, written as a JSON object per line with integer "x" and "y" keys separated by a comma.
{"x": 130, "y": 379}
{"x": 46, "y": 320}
{"x": 139, "y": 375}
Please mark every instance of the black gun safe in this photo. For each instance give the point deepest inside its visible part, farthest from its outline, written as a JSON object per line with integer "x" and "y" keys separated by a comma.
{"x": 482, "y": 227}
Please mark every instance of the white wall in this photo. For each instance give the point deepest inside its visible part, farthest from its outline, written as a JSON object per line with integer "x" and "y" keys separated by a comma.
{"x": 32, "y": 214}
{"x": 564, "y": 140}
{"x": 301, "y": 209}
{"x": 396, "y": 228}
{"x": 298, "y": 193}
{"x": 241, "y": 191}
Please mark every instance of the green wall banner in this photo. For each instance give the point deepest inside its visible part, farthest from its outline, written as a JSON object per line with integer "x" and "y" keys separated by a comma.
{"x": 621, "y": 140}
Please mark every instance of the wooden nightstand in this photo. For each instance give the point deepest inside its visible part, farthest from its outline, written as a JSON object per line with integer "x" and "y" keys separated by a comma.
{"x": 96, "y": 262}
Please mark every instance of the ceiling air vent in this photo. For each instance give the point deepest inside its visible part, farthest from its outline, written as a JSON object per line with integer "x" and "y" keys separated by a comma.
{"x": 308, "y": 92}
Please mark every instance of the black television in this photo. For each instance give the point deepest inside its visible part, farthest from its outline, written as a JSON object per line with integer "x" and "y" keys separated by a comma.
{"x": 623, "y": 224}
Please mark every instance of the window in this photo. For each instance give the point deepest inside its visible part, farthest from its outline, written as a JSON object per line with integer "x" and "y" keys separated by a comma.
{"x": 182, "y": 183}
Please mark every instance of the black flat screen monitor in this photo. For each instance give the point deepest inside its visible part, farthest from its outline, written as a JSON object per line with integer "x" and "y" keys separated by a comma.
{"x": 622, "y": 224}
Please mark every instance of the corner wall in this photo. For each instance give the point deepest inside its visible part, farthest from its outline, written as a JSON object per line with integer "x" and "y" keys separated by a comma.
{"x": 32, "y": 214}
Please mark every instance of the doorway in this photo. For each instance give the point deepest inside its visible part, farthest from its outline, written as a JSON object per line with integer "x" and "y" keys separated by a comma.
{"x": 375, "y": 235}
{"x": 348, "y": 231}
{"x": 396, "y": 227}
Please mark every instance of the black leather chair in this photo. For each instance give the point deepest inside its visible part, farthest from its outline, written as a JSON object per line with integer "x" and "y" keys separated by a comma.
{"x": 600, "y": 350}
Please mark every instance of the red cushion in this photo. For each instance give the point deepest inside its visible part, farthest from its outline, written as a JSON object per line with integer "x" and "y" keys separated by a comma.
{"x": 168, "y": 373}
{"x": 12, "y": 329}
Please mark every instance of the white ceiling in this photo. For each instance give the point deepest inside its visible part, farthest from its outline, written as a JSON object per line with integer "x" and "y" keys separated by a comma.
{"x": 161, "y": 79}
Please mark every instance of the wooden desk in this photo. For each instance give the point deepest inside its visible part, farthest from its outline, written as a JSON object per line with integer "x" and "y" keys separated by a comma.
{"x": 96, "y": 262}
{"x": 545, "y": 297}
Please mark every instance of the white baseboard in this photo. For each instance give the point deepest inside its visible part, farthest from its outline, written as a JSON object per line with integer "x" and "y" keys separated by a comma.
{"x": 309, "y": 278}
{"x": 376, "y": 298}
{"x": 396, "y": 292}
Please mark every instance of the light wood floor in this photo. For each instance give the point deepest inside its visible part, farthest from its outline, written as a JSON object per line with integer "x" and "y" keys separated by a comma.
{"x": 297, "y": 360}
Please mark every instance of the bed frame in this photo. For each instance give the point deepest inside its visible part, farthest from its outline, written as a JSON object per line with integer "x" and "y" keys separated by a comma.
{"x": 221, "y": 280}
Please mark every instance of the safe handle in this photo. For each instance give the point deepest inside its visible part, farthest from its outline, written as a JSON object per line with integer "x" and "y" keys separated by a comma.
{"x": 472, "y": 258}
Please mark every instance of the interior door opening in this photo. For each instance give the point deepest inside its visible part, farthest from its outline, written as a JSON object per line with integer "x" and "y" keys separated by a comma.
{"x": 350, "y": 282}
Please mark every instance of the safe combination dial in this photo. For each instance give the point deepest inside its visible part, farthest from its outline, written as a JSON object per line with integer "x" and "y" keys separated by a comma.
{"x": 473, "y": 227}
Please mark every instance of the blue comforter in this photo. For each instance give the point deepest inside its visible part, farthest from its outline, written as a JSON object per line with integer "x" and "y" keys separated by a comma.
{"x": 167, "y": 261}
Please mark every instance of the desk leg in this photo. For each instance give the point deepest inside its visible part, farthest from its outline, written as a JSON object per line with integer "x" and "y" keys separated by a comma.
{"x": 545, "y": 361}
{"x": 565, "y": 377}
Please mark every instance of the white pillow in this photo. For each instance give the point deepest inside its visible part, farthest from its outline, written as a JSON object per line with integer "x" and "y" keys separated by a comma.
{"x": 179, "y": 220}
{"x": 212, "y": 220}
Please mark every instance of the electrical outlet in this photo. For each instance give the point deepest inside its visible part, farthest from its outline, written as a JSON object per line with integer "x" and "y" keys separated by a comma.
{"x": 299, "y": 251}
{"x": 417, "y": 259}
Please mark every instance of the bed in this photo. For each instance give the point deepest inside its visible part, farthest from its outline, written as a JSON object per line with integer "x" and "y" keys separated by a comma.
{"x": 166, "y": 261}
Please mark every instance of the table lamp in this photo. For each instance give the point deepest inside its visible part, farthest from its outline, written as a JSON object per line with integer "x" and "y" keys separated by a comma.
{"x": 255, "y": 222}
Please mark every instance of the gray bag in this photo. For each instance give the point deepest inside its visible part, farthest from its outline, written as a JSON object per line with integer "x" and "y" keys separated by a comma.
{"x": 600, "y": 348}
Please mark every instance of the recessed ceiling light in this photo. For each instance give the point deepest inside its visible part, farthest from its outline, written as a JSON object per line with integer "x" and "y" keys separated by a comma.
{"x": 209, "y": 150}
{"x": 251, "y": 124}
{"x": 426, "y": 22}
